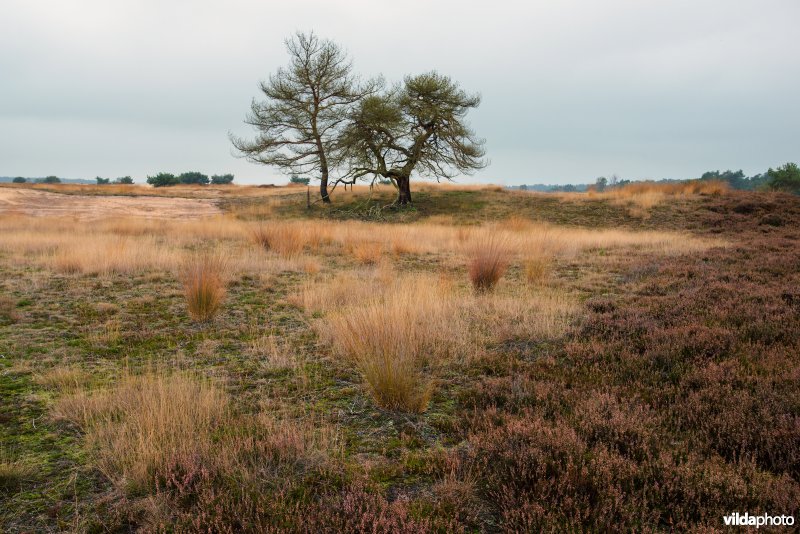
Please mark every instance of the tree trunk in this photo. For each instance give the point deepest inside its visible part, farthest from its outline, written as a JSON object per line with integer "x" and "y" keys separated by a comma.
{"x": 323, "y": 187}
{"x": 403, "y": 190}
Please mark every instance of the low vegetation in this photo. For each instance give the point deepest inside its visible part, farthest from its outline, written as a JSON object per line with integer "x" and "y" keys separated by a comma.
{"x": 490, "y": 361}
{"x": 203, "y": 277}
{"x": 488, "y": 262}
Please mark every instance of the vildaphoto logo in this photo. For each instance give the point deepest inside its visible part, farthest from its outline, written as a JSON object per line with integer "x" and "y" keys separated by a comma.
{"x": 765, "y": 520}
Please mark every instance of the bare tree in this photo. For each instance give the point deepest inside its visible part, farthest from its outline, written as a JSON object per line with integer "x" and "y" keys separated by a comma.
{"x": 305, "y": 105}
{"x": 419, "y": 126}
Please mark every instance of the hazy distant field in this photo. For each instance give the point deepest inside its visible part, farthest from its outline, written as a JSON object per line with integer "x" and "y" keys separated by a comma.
{"x": 227, "y": 359}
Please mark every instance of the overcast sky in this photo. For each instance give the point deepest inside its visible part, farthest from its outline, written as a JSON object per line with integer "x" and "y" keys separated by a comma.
{"x": 571, "y": 90}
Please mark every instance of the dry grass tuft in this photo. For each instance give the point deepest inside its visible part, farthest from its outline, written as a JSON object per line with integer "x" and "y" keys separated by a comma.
{"x": 12, "y": 474}
{"x": 108, "y": 334}
{"x": 285, "y": 239}
{"x": 8, "y": 310}
{"x": 204, "y": 284}
{"x": 537, "y": 270}
{"x": 394, "y": 334}
{"x": 63, "y": 379}
{"x": 274, "y": 352}
{"x": 138, "y": 428}
{"x": 489, "y": 258}
{"x": 367, "y": 252}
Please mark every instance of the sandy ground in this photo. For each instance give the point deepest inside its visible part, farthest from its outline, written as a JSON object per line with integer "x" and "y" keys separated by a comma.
{"x": 44, "y": 204}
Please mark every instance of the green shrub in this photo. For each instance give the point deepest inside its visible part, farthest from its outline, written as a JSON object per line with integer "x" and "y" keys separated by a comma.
{"x": 193, "y": 177}
{"x": 163, "y": 179}
{"x": 222, "y": 179}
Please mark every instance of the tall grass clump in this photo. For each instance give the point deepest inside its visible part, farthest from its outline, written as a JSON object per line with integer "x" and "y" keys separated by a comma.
{"x": 203, "y": 279}
{"x": 138, "y": 428}
{"x": 489, "y": 258}
{"x": 174, "y": 441}
{"x": 8, "y": 310}
{"x": 393, "y": 337}
{"x": 284, "y": 239}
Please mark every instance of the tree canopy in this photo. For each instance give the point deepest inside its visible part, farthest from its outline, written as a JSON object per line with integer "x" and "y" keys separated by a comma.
{"x": 419, "y": 126}
{"x": 193, "y": 177}
{"x": 304, "y": 107}
{"x": 163, "y": 179}
{"x": 222, "y": 179}
{"x": 785, "y": 178}
{"x": 319, "y": 120}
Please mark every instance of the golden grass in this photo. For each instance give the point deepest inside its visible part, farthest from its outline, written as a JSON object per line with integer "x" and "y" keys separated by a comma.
{"x": 127, "y": 246}
{"x": 642, "y": 196}
{"x": 537, "y": 269}
{"x": 366, "y": 252}
{"x": 286, "y": 239}
{"x": 184, "y": 191}
{"x": 203, "y": 278}
{"x": 274, "y": 352}
{"x": 397, "y": 329}
{"x": 13, "y": 473}
{"x": 488, "y": 261}
{"x": 62, "y": 378}
{"x": 8, "y": 310}
{"x": 148, "y": 428}
{"x": 141, "y": 425}
{"x": 392, "y": 335}
{"x": 107, "y": 334}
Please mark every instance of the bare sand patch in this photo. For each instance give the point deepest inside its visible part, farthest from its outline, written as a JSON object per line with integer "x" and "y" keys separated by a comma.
{"x": 44, "y": 204}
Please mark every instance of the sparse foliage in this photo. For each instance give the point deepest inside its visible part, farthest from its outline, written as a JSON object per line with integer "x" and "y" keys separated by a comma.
{"x": 420, "y": 127}
{"x": 304, "y": 107}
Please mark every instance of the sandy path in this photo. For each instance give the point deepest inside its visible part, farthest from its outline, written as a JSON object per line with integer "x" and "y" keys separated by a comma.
{"x": 44, "y": 204}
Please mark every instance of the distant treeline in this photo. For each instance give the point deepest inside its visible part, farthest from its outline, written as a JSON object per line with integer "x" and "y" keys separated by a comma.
{"x": 165, "y": 179}
{"x": 159, "y": 180}
{"x": 44, "y": 180}
{"x": 784, "y": 178}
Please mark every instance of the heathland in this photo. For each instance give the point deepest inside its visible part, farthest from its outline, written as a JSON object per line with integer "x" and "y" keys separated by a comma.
{"x": 227, "y": 359}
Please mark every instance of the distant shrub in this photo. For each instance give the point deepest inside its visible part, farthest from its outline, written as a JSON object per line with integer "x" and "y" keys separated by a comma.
{"x": 193, "y": 177}
{"x": 103, "y": 181}
{"x": 299, "y": 180}
{"x": 204, "y": 284}
{"x": 222, "y": 179}
{"x": 785, "y": 178}
{"x": 51, "y": 180}
{"x": 124, "y": 180}
{"x": 163, "y": 179}
{"x": 488, "y": 262}
{"x": 19, "y": 180}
